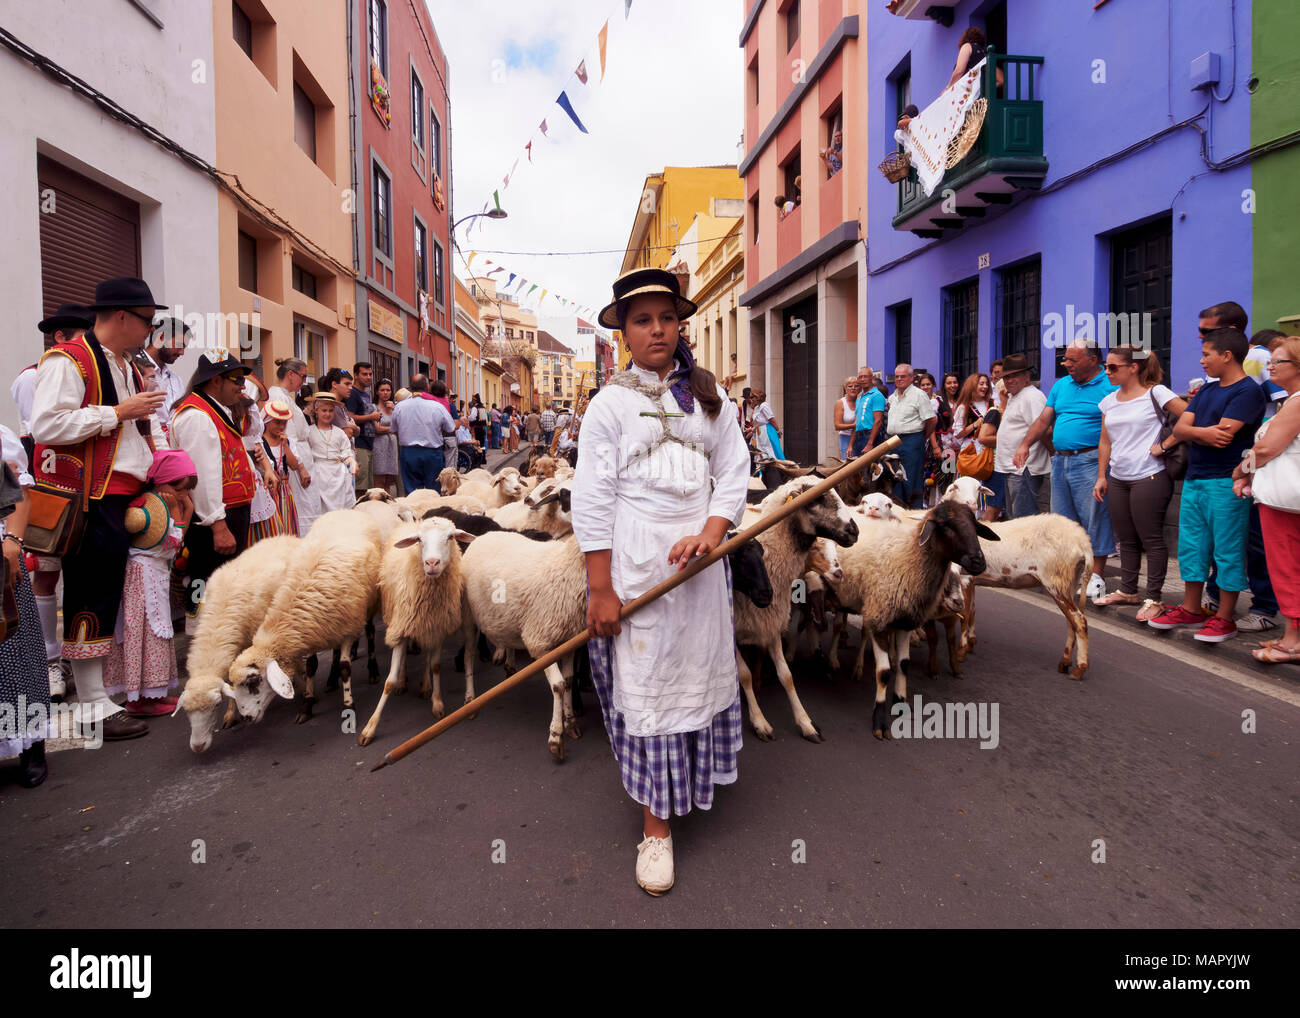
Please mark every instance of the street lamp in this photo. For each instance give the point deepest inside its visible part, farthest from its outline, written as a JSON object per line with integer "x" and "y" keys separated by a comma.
{"x": 493, "y": 213}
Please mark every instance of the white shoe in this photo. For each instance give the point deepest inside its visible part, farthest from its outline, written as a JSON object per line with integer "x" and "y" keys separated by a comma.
{"x": 654, "y": 865}
{"x": 58, "y": 689}
{"x": 1254, "y": 623}
{"x": 1096, "y": 587}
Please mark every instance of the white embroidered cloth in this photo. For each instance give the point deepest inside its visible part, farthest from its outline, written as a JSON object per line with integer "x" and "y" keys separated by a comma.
{"x": 927, "y": 136}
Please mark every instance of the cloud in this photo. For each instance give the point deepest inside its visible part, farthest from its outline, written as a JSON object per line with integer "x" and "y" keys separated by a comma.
{"x": 672, "y": 96}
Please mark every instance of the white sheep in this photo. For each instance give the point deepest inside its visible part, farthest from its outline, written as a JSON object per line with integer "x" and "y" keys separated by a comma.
{"x": 1050, "y": 551}
{"x": 480, "y": 474}
{"x": 325, "y": 598}
{"x": 878, "y": 505}
{"x": 421, "y": 500}
{"x": 421, "y": 588}
{"x": 785, "y": 551}
{"x": 532, "y": 596}
{"x": 235, "y": 600}
{"x": 504, "y": 488}
{"x": 546, "y": 507}
{"x": 967, "y": 491}
{"x": 894, "y": 577}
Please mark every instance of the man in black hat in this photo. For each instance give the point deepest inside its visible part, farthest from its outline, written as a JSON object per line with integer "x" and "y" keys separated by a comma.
{"x": 202, "y": 425}
{"x": 65, "y": 325}
{"x": 91, "y": 424}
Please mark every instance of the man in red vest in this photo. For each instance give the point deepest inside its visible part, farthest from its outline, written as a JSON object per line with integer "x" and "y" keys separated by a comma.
{"x": 202, "y": 425}
{"x": 95, "y": 434}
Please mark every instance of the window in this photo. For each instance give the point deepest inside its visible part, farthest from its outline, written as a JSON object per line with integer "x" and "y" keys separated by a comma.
{"x": 753, "y": 216}
{"x": 1016, "y": 308}
{"x": 791, "y": 25}
{"x": 510, "y": 333}
{"x": 435, "y": 142}
{"x": 379, "y": 35}
{"x": 383, "y": 200}
{"x": 898, "y": 96}
{"x": 790, "y": 171}
{"x": 304, "y": 121}
{"x": 900, "y": 316}
{"x": 242, "y": 29}
{"x": 961, "y": 328}
{"x": 247, "y": 262}
{"x": 421, "y": 257}
{"x": 439, "y": 293}
{"x": 303, "y": 281}
{"x": 417, "y": 111}
{"x": 753, "y": 81}
{"x": 309, "y": 345}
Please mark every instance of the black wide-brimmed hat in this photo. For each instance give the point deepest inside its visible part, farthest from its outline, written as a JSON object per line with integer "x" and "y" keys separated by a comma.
{"x": 123, "y": 292}
{"x": 641, "y": 281}
{"x": 213, "y": 361}
{"x": 69, "y": 316}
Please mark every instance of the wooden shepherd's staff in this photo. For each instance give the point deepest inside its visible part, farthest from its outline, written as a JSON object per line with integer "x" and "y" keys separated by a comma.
{"x": 678, "y": 578}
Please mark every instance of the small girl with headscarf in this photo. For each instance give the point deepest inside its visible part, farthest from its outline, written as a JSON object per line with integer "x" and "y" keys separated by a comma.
{"x": 142, "y": 661}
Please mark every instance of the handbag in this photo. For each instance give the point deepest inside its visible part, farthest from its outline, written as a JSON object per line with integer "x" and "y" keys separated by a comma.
{"x": 978, "y": 465}
{"x": 1175, "y": 459}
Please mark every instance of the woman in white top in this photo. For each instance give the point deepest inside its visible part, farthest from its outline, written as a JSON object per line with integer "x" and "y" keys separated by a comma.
{"x": 661, "y": 476}
{"x": 972, "y": 405}
{"x": 845, "y": 415}
{"x": 1274, "y": 481}
{"x": 1138, "y": 488}
{"x": 336, "y": 466}
{"x": 291, "y": 373}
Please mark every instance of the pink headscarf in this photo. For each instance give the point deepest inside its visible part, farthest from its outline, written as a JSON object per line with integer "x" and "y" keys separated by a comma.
{"x": 170, "y": 465}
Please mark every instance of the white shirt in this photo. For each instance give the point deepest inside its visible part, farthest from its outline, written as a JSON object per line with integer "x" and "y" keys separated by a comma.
{"x": 1022, "y": 410}
{"x": 422, "y": 422}
{"x": 763, "y": 413}
{"x": 909, "y": 411}
{"x": 1134, "y": 428}
{"x": 58, "y": 417}
{"x": 196, "y": 433}
{"x": 169, "y": 382}
{"x": 23, "y": 389}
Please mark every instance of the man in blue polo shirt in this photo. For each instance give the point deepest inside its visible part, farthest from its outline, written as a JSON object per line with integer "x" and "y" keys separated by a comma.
{"x": 870, "y": 410}
{"x": 1074, "y": 420}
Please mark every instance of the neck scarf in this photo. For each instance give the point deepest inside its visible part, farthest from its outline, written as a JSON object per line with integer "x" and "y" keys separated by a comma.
{"x": 679, "y": 379}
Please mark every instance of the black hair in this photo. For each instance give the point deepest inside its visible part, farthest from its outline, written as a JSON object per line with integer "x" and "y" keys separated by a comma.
{"x": 1230, "y": 341}
{"x": 1229, "y": 315}
{"x": 704, "y": 383}
{"x": 359, "y": 365}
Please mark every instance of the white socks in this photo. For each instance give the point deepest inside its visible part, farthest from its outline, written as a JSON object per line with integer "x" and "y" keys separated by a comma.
{"x": 47, "y": 607}
{"x": 91, "y": 698}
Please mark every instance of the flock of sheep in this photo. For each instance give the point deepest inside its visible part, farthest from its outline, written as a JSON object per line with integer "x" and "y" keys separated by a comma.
{"x": 494, "y": 559}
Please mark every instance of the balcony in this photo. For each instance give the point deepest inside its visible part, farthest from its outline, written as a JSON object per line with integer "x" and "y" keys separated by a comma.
{"x": 1005, "y": 160}
{"x": 917, "y": 10}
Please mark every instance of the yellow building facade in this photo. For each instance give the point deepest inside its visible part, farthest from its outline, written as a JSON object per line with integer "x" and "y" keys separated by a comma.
{"x": 668, "y": 204}
{"x": 720, "y": 329}
{"x": 280, "y": 77}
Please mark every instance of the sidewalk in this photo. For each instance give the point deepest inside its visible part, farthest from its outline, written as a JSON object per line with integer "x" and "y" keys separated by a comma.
{"x": 499, "y": 458}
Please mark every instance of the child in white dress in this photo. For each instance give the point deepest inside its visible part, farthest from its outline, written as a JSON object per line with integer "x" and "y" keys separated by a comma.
{"x": 336, "y": 466}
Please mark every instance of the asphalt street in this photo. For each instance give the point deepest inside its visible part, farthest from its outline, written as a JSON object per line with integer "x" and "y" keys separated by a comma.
{"x": 1144, "y": 764}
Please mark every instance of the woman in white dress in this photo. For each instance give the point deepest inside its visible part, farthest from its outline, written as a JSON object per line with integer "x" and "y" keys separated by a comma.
{"x": 661, "y": 476}
{"x": 336, "y": 465}
{"x": 291, "y": 373}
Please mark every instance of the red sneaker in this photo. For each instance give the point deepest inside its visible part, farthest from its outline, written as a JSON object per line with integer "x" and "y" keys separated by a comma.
{"x": 1171, "y": 618}
{"x": 1216, "y": 630}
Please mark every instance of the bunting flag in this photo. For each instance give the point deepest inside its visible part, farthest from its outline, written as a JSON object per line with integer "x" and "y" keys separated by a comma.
{"x": 470, "y": 260}
{"x": 581, "y": 71}
{"x": 567, "y": 106}
{"x": 542, "y": 125}
{"x": 529, "y": 149}
{"x": 499, "y": 268}
{"x": 627, "y": 8}
{"x": 530, "y": 290}
{"x": 509, "y": 281}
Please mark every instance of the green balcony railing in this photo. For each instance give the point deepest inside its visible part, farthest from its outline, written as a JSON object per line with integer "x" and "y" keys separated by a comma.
{"x": 1010, "y": 144}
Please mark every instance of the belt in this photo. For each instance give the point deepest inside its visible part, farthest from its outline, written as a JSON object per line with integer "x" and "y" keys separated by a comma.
{"x": 1075, "y": 452}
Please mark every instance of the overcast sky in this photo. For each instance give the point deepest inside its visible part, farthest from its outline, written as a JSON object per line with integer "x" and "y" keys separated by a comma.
{"x": 672, "y": 95}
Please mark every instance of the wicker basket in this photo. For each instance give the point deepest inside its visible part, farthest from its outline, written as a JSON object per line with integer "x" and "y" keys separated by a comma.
{"x": 895, "y": 167}
{"x": 964, "y": 140}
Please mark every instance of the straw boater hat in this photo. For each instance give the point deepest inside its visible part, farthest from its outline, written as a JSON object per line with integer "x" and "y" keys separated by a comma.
{"x": 326, "y": 397}
{"x": 640, "y": 281}
{"x": 147, "y": 522}
{"x": 401, "y": 394}
{"x": 277, "y": 410}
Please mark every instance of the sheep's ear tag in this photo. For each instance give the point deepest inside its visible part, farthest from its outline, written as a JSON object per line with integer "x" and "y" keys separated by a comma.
{"x": 279, "y": 681}
{"x": 927, "y": 531}
{"x": 789, "y": 499}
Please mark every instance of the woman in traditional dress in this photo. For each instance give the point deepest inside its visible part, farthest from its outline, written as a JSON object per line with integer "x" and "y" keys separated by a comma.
{"x": 280, "y": 456}
{"x": 335, "y": 464}
{"x": 661, "y": 476}
{"x": 292, "y": 373}
{"x": 767, "y": 437}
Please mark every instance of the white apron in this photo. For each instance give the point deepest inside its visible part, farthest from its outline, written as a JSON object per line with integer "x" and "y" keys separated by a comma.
{"x": 674, "y": 661}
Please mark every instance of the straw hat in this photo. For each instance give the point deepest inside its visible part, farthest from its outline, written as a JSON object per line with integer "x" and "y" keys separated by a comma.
{"x": 401, "y": 394}
{"x": 147, "y": 520}
{"x": 639, "y": 281}
{"x": 277, "y": 410}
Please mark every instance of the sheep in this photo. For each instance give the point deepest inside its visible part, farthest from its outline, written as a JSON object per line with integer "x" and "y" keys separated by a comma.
{"x": 420, "y": 588}
{"x": 450, "y": 480}
{"x": 530, "y": 596}
{"x": 878, "y": 505}
{"x": 950, "y": 613}
{"x": 387, "y": 514}
{"x": 894, "y": 578}
{"x": 480, "y": 525}
{"x": 812, "y": 593}
{"x": 785, "y": 547}
{"x": 546, "y": 508}
{"x": 325, "y": 597}
{"x": 505, "y": 487}
{"x": 421, "y": 500}
{"x": 967, "y": 491}
{"x": 480, "y": 474}
{"x": 1050, "y": 551}
{"x": 376, "y": 495}
{"x": 542, "y": 467}
{"x": 235, "y": 600}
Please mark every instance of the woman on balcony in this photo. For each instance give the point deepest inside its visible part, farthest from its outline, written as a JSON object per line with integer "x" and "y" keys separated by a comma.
{"x": 970, "y": 51}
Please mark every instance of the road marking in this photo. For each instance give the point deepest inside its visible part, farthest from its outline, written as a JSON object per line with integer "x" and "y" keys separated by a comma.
{"x": 1168, "y": 647}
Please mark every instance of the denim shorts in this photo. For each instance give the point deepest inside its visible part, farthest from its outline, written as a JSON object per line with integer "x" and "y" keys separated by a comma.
{"x": 1213, "y": 525}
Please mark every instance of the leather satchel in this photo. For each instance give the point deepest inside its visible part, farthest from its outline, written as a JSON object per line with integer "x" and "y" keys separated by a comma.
{"x": 57, "y": 520}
